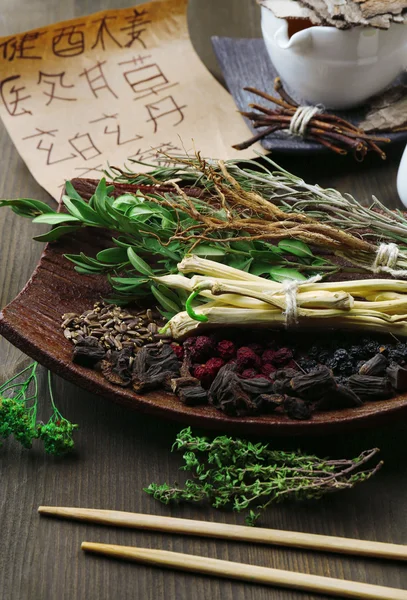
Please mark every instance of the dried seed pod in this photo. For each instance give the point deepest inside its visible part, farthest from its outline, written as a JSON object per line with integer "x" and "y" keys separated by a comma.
{"x": 193, "y": 395}
{"x": 297, "y": 408}
{"x": 314, "y": 385}
{"x": 397, "y": 376}
{"x": 88, "y": 355}
{"x": 368, "y": 387}
{"x": 374, "y": 366}
{"x": 67, "y": 334}
{"x": 341, "y": 397}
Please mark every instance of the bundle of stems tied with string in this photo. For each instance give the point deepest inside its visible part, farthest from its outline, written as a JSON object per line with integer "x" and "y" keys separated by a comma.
{"x": 274, "y": 230}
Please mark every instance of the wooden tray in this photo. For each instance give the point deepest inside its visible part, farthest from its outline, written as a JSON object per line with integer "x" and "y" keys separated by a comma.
{"x": 32, "y": 321}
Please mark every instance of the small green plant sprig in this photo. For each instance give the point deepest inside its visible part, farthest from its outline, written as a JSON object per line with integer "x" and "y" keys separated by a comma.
{"x": 18, "y": 415}
{"x": 236, "y": 473}
{"x": 144, "y": 229}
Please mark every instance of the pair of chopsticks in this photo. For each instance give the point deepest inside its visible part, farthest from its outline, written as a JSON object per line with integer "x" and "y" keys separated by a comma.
{"x": 233, "y": 570}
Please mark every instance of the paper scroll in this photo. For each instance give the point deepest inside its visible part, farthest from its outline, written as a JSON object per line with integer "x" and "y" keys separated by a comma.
{"x": 119, "y": 84}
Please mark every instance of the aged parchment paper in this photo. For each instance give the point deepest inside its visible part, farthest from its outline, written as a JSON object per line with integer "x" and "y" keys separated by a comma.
{"x": 111, "y": 86}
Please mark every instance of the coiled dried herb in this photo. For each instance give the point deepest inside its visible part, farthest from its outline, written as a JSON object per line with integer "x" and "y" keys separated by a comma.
{"x": 231, "y": 472}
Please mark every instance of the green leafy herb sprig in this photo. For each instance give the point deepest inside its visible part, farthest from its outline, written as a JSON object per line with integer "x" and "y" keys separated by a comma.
{"x": 18, "y": 415}
{"x": 144, "y": 244}
{"x": 232, "y": 472}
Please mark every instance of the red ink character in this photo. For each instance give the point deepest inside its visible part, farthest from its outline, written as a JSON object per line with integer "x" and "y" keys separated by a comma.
{"x": 96, "y": 79}
{"x": 147, "y": 79}
{"x": 163, "y": 108}
{"x": 12, "y": 97}
{"x": 119, "y": 140}
{"x": 69, "y": 41}
{"x": 41, "y": 132}
{"x": 54, "y": 80}
{"x": 15, "y": 47}
{"x": 104, "y": 31}
{"x": 135, "y": 27}
{"x": 49, "y": 150}
{"x": 85, "y": 146}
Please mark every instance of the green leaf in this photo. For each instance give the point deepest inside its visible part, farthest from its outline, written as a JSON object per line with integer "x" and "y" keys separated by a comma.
{"x": 240, "y": 262}
{"x": 25, "y": 207}
{"x": 82, "y": 210}
{"x": 85, "y": 270}
{"x": 242, "y": 246}
{"x": 81, "y": 261}
{"x": 208, "y": 250}
{"x": 55, "y": 218}
{"x": 131, "y": 281}
{"x": 165, "y": 302}
{"x": 170, "y": 294}
{"x": 56, "y": 233}
{"x": 281, "y": 274}
{"x": 260, "y": 268}
{"x": 112, "y": 255}
{"x": 71, "y": 191}
{"x": 318, "y": 262}
{"x": 295, "y": 247}
{"x": 138, "y": 263}
{"x": 272, "y": 258}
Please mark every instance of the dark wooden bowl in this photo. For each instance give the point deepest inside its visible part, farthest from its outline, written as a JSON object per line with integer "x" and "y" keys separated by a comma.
{"x": 32, "y": 322}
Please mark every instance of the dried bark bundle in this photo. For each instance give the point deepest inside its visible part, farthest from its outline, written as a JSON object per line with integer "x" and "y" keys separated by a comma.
{"x": 341, "y": 14}
{"x": 117, "y": 367}
{"x": 326, "y": 129}
{"x": 88, "y": 352}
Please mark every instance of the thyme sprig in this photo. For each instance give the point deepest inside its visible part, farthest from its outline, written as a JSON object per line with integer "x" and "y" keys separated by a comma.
{"x": 18, "y": 414}
{"x": 237, "y": 473}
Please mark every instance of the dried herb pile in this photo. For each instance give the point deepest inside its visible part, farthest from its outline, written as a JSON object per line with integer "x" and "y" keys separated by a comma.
{"x": 234, "y": 473}
{"x": 19, "y": 400}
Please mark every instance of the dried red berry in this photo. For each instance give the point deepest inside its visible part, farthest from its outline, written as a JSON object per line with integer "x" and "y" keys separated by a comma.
{"x": 200, "y": 348}
{"x": 247, "y": 359}
{"x": 206, "y": 373}
{"x": 291, "y": 365}
{"x": 249, "y": 374}
{"x": 257, "y": 348}
{"x": 282, "y": 357}
{"x": 226, "y": 349}
{"x": 268, "y": 356}
{"x": 267, "y": 369}
{"x": 179, "y": 351}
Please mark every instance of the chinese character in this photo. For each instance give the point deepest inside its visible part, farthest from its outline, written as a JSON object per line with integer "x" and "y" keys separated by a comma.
{"x": 49, "y": 150}
{"x": 12, "y": 98}
{"x": 147, "y": 79}
{"x": 156, "y": 153}
{"x": 96, "y": 79}
{"x": 102, "y": 31}
{"x": 85, "y": 147}
{"x": 40, "y": 132}
{"x": 119, "y": 140}
{"x": 20, "y": 48}
{"x": 68, "y": 41}
{"x": 54, "y": 80}
{"x": 86, "y": 170}
{"x": 135, "y": 27}
{"x": 104, "y": 117}
{"x": 162, "y": 108}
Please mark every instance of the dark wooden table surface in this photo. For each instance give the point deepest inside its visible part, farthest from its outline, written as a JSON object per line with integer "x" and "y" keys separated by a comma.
{"x": 118, "y": 453}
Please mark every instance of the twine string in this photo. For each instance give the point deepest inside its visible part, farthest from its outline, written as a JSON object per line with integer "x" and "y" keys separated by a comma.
{"x": 301, "y": 119}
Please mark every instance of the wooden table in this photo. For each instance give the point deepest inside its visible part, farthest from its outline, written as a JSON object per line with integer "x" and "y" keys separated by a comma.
{"x": 118, "y": 453}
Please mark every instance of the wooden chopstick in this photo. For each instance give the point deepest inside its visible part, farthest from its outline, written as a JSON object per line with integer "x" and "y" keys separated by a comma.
{"x": 232, "y": 532}
{"x": 252, "y": 573}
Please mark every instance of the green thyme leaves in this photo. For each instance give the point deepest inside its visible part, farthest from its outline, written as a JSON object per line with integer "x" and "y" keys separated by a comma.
{"x": 234, "y": 473}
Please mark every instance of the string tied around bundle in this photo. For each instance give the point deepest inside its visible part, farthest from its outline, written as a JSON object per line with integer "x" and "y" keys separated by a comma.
{"x": 302, "y": 117}
{"x": 386, "y": 260}
{"x": 290, "y": 289}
